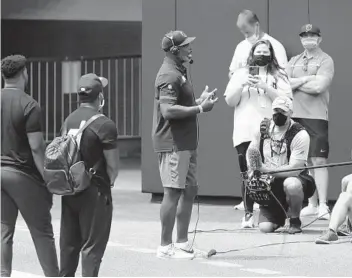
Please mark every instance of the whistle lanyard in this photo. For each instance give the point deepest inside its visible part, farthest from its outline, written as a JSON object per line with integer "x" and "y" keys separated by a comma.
{"x": 281, "y": 142}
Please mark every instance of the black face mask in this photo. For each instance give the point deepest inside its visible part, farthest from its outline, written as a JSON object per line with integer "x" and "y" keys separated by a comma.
{"x": 279, "y": 119}
{"x": 261, "y": 60}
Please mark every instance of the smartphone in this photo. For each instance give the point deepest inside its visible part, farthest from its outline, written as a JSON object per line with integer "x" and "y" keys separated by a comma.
{"x": 254, "y": 71}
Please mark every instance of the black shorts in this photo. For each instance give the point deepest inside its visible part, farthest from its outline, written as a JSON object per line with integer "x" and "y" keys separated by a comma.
{"x": 318, "y": 131}
{"x": 274, "y": 213}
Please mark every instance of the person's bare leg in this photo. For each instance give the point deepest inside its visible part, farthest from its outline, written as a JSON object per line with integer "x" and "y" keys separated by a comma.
{"x": 294, "y": 196}
{"x": 184, "y": 212}
{"x": 168, "y": 214}
{"x": 321, "y": 177}
{"x": 343, "y": 207}
{"x": 313, "y": 201}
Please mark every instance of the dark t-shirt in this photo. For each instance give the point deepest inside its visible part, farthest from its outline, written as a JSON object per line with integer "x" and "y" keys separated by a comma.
{"x": 20, "y": 114}
{"x": 98, "y": 136}
{"x": 172, "y": 87}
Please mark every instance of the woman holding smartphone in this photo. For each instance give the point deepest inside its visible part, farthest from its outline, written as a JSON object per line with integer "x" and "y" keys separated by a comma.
{"x": 251, "y": 91}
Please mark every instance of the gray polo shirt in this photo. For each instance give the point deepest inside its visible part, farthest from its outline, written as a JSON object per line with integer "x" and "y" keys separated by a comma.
{"x": 311, "y": 106}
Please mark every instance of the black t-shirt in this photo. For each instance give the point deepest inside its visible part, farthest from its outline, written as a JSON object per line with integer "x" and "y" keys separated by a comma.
{"x": 172, "y": 87}
{"x": 20, "y": 114}
{"x": 100, "y": 135}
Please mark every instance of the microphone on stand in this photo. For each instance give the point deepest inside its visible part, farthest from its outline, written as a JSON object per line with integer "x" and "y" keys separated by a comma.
{"x": 254, "y": 161}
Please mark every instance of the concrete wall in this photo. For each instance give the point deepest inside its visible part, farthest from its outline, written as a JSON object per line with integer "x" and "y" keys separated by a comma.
{"x": 214, "y": 25}
{"x": 100, "y": 10}
{"x": 54, "y": 29}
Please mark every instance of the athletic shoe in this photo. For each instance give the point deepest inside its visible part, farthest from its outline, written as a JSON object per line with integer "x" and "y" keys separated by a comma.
{"x": 309, "y": 210}
{"x": 324, "y": 212}
{"x": 295, "y": 226}
{"x": 247, "y": 221}
{"x": 240, "y": 206}
{"x": 188, "y": 248}
{"x": 170, "y": 252}
{"x": 345, "y": 229}
{"x": 327, "y": 237}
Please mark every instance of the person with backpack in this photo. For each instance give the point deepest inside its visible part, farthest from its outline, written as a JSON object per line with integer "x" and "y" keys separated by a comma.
{"x": 282, "y": 144}
{"x": 22, "y": 160}
{"x": 86, "y": 214}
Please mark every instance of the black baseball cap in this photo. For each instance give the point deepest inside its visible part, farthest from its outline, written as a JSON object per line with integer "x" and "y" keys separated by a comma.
{"x": 179, "y": 38}
{"x": 90, "y": 86}
{"x": 309, "y": 28}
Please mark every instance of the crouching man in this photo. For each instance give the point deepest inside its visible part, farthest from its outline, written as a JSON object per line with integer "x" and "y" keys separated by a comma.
{"x": 283, "y": 145}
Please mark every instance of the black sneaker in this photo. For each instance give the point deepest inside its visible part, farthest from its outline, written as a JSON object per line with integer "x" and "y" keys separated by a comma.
{"x": 295, "y": 226}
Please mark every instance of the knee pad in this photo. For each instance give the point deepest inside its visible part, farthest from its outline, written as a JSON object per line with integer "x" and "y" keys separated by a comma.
{"x": 267, "y": 227}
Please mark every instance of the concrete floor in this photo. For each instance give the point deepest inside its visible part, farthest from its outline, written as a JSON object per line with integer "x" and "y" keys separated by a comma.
{"x": 136, "y": 232}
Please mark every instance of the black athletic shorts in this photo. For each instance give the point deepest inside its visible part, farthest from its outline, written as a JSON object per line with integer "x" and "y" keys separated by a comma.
{"x": 318, "y": 131}
{"x": 274, "y": 213}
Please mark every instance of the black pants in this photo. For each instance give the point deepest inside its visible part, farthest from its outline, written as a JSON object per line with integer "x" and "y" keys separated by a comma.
{"x": 20, "y": 192}
{"x": 85, "y": 227}
{"x": 248, "y": 202}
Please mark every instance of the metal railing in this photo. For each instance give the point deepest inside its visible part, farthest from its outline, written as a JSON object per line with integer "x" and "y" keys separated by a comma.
{"x": 122, "y": 95}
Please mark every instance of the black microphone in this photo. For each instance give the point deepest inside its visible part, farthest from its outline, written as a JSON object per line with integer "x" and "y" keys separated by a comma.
{"x": 211, "y": 253}
{"x": 243, "y": 166}
{"x": 191, "y": 61}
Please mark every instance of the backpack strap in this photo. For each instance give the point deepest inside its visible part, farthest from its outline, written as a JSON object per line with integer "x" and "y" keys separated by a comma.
{"x": 92, "y": 119}
{"x": 290, "y": 134}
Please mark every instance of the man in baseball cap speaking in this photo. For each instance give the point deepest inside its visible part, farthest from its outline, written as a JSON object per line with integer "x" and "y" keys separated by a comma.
{"x": 175, "y": 140}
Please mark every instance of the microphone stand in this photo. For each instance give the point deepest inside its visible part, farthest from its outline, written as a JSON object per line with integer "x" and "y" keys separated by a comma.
{"x": 312, "y": 167}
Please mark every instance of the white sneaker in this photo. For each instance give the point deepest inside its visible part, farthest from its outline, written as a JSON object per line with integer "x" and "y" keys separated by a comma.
{"x": 309, "y": 210}
{"x": 247, "y": 221}
{"x": 189, "y": 249}
{"x": 240, "y": 206}
{"x": 324, "y": 212}
{"x": 170, "y": 252}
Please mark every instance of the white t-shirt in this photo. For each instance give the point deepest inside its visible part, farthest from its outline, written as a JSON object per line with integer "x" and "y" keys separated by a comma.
{"x": 254, "y": 105}
{"x": 275, "y": 151}
{"x": 242, "y": 50}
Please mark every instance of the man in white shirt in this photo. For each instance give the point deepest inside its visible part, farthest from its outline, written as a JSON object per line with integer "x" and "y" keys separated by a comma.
{"x": 249, "y": 25}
